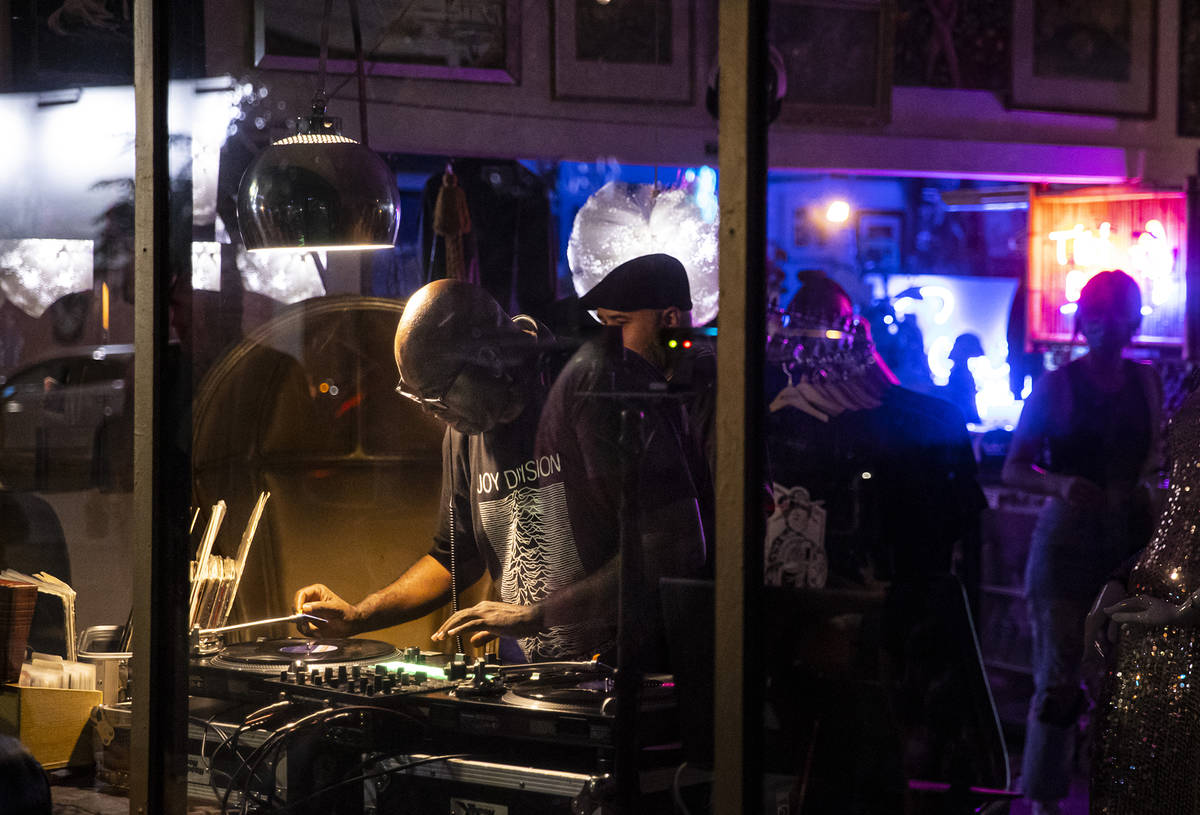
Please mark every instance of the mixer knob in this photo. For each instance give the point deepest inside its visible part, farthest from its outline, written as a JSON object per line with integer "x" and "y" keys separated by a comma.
{"x": 377, "y": 684}
{"x": 329, "y": 676}
{"x": 284, "y": 675}
{"x": 315, "y": 677}
{"x": 356, "y": 671}
{"x": 341, "y": 673}
{"x": 381, "y": 670}
{"x": 363, "y": 687}
{"x": 420, "y": 677}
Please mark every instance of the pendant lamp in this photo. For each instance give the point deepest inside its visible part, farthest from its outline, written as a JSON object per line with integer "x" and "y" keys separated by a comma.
{"x": 318, "y": 190}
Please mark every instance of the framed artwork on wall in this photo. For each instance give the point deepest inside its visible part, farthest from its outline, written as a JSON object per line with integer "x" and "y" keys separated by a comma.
{"x": 632, "y": 51}
{"x": 837, "y": 56}
{"x": 1189, "y": 68}
{"x": 880, "y": 235}
{"x": 421, "y": 39}
{"x": 1096, "y": 57}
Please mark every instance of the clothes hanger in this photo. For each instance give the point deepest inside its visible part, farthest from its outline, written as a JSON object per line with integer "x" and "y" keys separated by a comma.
{"x": 858, "y": 392}
{"x": 790, "y": 396}
{"x": 827, "y": 388}
{"x": 819, "y": 397}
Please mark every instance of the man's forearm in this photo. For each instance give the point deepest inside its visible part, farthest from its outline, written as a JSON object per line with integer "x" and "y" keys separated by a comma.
{"x": 422, "y": 588}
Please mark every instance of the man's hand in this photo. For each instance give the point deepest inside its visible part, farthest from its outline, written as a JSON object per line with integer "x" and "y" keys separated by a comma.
{"x": 488, "y": 620}
{"x": 1142, "y": 609}
{"x": 320, "y": 601}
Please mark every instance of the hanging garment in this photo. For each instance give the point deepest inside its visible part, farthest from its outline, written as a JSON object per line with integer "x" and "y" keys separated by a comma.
{"x": 1146, "y": 752}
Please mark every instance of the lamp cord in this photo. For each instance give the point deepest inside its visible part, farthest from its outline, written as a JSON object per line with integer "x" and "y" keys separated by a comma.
{"x": 324, "y": 48}
{"x": 388, "y": 29}
{"x": 362, "y": 77}
{"x": 320, "y": 98}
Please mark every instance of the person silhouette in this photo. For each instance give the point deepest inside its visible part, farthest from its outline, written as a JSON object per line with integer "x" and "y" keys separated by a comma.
{"x": 1097, "y": 419}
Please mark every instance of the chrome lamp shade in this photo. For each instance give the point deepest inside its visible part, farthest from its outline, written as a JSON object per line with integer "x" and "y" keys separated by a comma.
{"x": 318, "y": 191}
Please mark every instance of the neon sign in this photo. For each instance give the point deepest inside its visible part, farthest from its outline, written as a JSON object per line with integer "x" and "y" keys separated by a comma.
{"x": 1150, "y": 260}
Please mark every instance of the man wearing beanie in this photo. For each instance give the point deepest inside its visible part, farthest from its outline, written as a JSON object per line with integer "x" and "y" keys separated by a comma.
{"x": 650, "y": 300}
{"x": 628, "y": 370}
{"x": 644, "y": 297}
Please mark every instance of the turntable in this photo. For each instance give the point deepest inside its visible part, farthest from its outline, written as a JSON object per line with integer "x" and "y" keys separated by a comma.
{"x": 570, "y": 704}
{"x": 250, "y": 671}
{"x": 578, "y": 690}
{"x": 273, "y": 656}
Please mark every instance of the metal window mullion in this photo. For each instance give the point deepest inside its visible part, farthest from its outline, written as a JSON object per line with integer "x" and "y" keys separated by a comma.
{"x": 738, "y": 672}
{"x": 157, "y": 760}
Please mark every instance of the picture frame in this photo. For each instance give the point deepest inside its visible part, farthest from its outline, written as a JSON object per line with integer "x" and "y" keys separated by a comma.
{"x": 1188, "y": 123}
{"x": 880, "y": 237}
{"x": 422, "y": 39}
{"x": 1097, "y": 58}
{"x": 837, "y": 57}
{"x": 610, "y": 51}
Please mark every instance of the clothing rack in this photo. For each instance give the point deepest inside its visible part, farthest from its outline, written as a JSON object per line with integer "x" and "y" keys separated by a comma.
{"x": 831, "y": 366}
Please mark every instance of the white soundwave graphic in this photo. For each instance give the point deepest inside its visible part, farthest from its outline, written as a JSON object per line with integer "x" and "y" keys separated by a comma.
{"x": 530, "y": 532}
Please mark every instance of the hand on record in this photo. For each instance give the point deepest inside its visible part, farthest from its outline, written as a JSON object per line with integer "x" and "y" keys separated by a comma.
{"x": 1142, "y": 609}
{"x": 488, "y": 620}
{"x": 320, "y": 601}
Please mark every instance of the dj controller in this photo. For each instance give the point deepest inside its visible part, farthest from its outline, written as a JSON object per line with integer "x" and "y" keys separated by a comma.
{"x": 423, "y": 731}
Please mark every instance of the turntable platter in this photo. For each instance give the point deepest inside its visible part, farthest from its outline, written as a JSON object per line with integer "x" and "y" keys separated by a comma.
{"x": 572, "y": 692}
{"x": 272, "y": 655}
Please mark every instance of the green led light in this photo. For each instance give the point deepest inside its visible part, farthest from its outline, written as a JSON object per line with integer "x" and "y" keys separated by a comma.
{"x": 412, "y": 667}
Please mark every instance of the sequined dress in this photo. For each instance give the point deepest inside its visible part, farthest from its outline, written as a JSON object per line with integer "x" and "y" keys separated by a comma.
{"x": 1146, "y": 754}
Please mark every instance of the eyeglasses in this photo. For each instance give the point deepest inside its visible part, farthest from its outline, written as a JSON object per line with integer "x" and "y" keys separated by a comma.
{"x": 434, "y": 404}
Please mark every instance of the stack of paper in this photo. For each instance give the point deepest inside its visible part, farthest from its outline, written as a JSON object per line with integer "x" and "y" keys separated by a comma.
{"x": 52, "y": 671}
{"x": 51, "y": 585}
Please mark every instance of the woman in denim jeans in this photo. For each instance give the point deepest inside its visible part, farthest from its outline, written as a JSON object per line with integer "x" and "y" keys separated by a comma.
{"x": 1087, "y": 436}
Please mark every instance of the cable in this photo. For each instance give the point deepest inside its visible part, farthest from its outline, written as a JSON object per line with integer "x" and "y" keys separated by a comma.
{"x": 362, "y": 79}
{"x": 368, "y": 776}
{"x": 208, "y": 725}
{"x": 387, "y": 30}
{"x": 251, "y": 721}
{"x": 252, "y": 762}
{"x": 458, "y": 643}
{"x": 279, "y": 739}
{"x": 680, "y": 806}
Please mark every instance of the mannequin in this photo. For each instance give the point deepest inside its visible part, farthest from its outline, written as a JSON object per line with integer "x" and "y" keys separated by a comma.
{"x": 1145, "y": 752}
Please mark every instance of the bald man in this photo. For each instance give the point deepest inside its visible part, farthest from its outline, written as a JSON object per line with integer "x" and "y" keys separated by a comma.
{"x": 466, "y": 362}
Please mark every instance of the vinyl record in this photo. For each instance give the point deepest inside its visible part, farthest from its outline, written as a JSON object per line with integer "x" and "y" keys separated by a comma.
{"x": 270, "y": 655}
